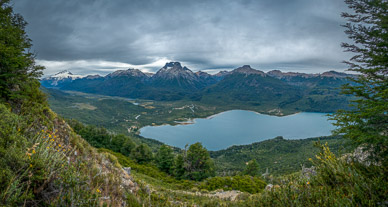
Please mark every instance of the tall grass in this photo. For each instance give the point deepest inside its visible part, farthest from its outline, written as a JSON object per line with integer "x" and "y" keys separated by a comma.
{"x": 36, "y": 168}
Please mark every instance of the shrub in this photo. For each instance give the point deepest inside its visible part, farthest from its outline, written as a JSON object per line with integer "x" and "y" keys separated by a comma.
{"x": 242, "y": 183}
{"x": 336, "y": 183}
{"x": 34, "y": 167}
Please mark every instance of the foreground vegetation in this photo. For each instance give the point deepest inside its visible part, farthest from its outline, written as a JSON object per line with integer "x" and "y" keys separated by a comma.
{"x": 42, "y": 161}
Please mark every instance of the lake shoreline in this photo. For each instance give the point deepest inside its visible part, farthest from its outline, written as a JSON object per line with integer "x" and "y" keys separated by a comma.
{"x": 192, "y": 120}
{"x": 239, "y": 127}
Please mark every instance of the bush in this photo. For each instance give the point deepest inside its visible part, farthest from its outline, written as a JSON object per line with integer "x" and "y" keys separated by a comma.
{"x": 165, "y": 159}
{"x": 242, "y": 183}
{"x": 336, "y": 183}
{"x": 142, "y": 154}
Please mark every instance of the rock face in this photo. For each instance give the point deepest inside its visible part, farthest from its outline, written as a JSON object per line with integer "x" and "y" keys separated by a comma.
{"x": 308, "y": 172}
{"x": 175, "y": 70}
{"x": 221, "y": 75}
{"x": 173, "y": 75}
{"x": 279, "y": 74}
{"x": 247, "y": 70}
{"x": 127, "y": 170}
{"x": 206, "y": 78}
{"x": 361, "y": 155}
{"x": 130, "y": 72}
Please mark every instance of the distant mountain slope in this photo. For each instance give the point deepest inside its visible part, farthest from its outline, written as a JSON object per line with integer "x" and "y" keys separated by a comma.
{"x": 126, "y": 83}
{"x": 272, "y": 90}
{"x": 247, "y": 84}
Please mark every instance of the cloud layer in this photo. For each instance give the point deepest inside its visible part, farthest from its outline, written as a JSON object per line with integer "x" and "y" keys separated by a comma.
{"x": 96, "y": 36}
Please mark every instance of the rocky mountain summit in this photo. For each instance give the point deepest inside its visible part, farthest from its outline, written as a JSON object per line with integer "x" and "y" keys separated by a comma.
{"x": 129, "y": 72}
{"x": 174, "y": 70}
{"x": 247, "y": 70}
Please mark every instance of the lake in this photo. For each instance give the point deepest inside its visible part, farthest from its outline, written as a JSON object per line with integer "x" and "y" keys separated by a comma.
{"x": 238, "y": 127}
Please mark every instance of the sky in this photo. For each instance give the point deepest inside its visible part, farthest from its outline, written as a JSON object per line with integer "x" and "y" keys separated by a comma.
{"x": 101, "y": 36}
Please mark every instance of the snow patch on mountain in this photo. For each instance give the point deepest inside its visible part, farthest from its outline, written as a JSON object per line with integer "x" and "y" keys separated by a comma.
{"x": 62, "y": 76}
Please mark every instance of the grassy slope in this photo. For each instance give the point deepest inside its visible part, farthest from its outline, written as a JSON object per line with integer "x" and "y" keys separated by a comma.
{"x": 46, "y": 163}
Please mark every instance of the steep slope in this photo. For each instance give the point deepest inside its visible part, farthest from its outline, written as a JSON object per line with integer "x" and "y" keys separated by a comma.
{"x": 44, "y": 162}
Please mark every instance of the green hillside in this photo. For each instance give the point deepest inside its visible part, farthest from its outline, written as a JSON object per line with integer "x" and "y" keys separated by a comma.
{"x": 278, "y": 155}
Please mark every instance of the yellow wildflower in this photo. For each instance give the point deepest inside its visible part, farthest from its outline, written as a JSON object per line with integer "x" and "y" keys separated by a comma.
{"x": 98, "y": 190}
{"x": 33, "y": 151}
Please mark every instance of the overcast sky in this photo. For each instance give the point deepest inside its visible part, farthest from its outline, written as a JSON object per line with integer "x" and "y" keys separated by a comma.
{"x": 100, "y": 36}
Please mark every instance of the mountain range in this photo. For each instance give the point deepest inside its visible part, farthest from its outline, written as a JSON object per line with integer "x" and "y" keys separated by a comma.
{"x": 301, "y": 91}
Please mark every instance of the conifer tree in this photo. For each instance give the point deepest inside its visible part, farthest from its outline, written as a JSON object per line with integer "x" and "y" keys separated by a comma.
{"x": 18, "y": 72}
{"x": 252, "y": 168}
{"x": 165, "y": 159}
{"x": 178, "y": 168}
{"x": 367, "y": 122}
{"x": 198, "y": 164}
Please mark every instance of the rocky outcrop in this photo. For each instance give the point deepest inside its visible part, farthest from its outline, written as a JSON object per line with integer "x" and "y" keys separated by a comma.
{"x": 175, "y": 70}
{"x": 247, "y": 70}
{"x": 130, "y": 72}
{"x": 361, "y": 155}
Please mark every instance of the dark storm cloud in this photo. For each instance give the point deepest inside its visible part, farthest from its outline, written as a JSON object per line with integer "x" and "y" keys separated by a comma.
{"x": 267, "y": 34}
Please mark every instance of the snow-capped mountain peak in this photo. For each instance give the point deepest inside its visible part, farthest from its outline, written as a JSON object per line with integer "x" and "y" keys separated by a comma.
{"x": 65, "y": 74}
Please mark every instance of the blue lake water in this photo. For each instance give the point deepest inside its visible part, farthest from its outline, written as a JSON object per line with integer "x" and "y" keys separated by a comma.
{"x": 239, "y": 127}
